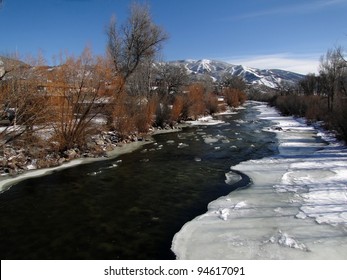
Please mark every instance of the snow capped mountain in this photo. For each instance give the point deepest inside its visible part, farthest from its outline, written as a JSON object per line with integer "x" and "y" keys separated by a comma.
{"x": 272, "y": 78}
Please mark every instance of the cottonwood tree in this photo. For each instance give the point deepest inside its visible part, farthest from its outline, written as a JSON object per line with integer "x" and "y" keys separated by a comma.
{"x": 234, "y": 82}
{"x": 140, "y": 82}
{"x": 309, "y": 84}
{"x": 131, "y": 47}
{"x": 332, "y": 75}
{"x": 171, "y": 78}
{"x": 137, "y": 40}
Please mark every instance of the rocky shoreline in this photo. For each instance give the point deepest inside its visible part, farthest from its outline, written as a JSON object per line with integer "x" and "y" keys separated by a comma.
{"x": 17, "y": 161}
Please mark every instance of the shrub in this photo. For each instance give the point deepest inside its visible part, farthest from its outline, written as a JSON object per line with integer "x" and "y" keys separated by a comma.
{"x": 211, "y": 103}
{"x": 234, "y": 97}
{"x": 196, "y": 101}
{"x": 178, "y": 108}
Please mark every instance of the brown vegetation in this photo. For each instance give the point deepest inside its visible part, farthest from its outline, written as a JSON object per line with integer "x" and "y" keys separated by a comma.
{"x": 234, "y": 97}
{"x": 80, "y": 95}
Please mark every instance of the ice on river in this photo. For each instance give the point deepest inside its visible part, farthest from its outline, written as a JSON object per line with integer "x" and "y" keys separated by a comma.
{"x": 295, "y": 207}
{"x": 208, "y": 120}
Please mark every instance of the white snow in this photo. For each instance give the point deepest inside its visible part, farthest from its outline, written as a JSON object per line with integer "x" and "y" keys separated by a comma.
{"x": 295, "y": 208}
{"x": 208, "y": 120}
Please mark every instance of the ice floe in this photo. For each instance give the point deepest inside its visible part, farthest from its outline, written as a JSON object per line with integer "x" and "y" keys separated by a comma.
{"x": 208, "y": 120}
{"x": 295, "y": 207}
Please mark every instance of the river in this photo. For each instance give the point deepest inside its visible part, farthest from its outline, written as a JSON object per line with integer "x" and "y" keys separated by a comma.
{"x": 130, "y": 207}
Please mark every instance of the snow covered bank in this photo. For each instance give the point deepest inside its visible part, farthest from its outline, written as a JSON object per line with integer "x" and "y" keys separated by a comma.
{"x": 296, "y": 207}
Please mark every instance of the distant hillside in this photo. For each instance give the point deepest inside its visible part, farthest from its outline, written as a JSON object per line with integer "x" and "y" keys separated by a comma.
{"x": 272, "y": 78}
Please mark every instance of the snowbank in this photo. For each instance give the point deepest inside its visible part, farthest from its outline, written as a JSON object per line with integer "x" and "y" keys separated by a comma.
{"x": 296, "y": 207}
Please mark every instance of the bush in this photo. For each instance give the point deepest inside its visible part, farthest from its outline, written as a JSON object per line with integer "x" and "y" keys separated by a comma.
{"x": 211, "y": 103}
{"x": 315, "y": 108}
{"x": 179, "y": 109}
{"x": 196, "y": 101}
{"x": 234, "y": 97}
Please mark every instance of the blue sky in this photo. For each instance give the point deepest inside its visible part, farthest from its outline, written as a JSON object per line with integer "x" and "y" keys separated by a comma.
{"x": 287, "y": 34}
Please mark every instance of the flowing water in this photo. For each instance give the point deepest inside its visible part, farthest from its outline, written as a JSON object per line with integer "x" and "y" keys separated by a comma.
{"x": 130, "y": 207}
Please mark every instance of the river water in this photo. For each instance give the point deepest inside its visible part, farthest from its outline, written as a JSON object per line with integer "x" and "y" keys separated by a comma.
{"x": 131, "y": 207}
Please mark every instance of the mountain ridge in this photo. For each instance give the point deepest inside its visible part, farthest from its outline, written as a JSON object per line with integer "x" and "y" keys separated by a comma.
{"x": 272, "y": 78}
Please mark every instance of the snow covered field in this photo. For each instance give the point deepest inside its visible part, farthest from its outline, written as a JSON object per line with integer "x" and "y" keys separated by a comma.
{"x": 295, "y": 208}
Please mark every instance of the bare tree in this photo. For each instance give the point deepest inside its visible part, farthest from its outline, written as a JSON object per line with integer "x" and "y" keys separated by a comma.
{"x": 171, "y": 78}
{"x": 134, "y": 42}
{"x": 139, "y": 83}
{"x": 235, "y": 82}
{"x": 332, "y": 70}
{"x": 309, "y": 84}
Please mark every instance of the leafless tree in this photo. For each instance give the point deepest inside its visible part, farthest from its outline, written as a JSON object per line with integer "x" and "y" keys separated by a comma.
{"x": 171, "y": 78}
{"x": 235, "y": 82}
{"x": 133, "y": 42}
{"x": 140, "y": 82}
{"x": 332, "y": 74}
{"x": 309, "y": 84}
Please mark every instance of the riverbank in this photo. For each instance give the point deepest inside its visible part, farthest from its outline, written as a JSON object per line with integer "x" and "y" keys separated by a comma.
{"x": 21, "y": 167}
{"x": 19, "y": 164}
{"x": 7, "y": 181}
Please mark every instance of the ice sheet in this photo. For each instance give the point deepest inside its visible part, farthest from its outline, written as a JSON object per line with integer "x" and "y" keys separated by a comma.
{"x": 296, "y": 207}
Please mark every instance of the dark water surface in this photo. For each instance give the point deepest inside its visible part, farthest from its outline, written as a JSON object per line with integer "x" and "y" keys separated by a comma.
{"x": 129, "y": 207}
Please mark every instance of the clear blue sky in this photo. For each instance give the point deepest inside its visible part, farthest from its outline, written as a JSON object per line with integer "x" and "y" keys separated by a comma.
{"x": 287, "y": 34}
